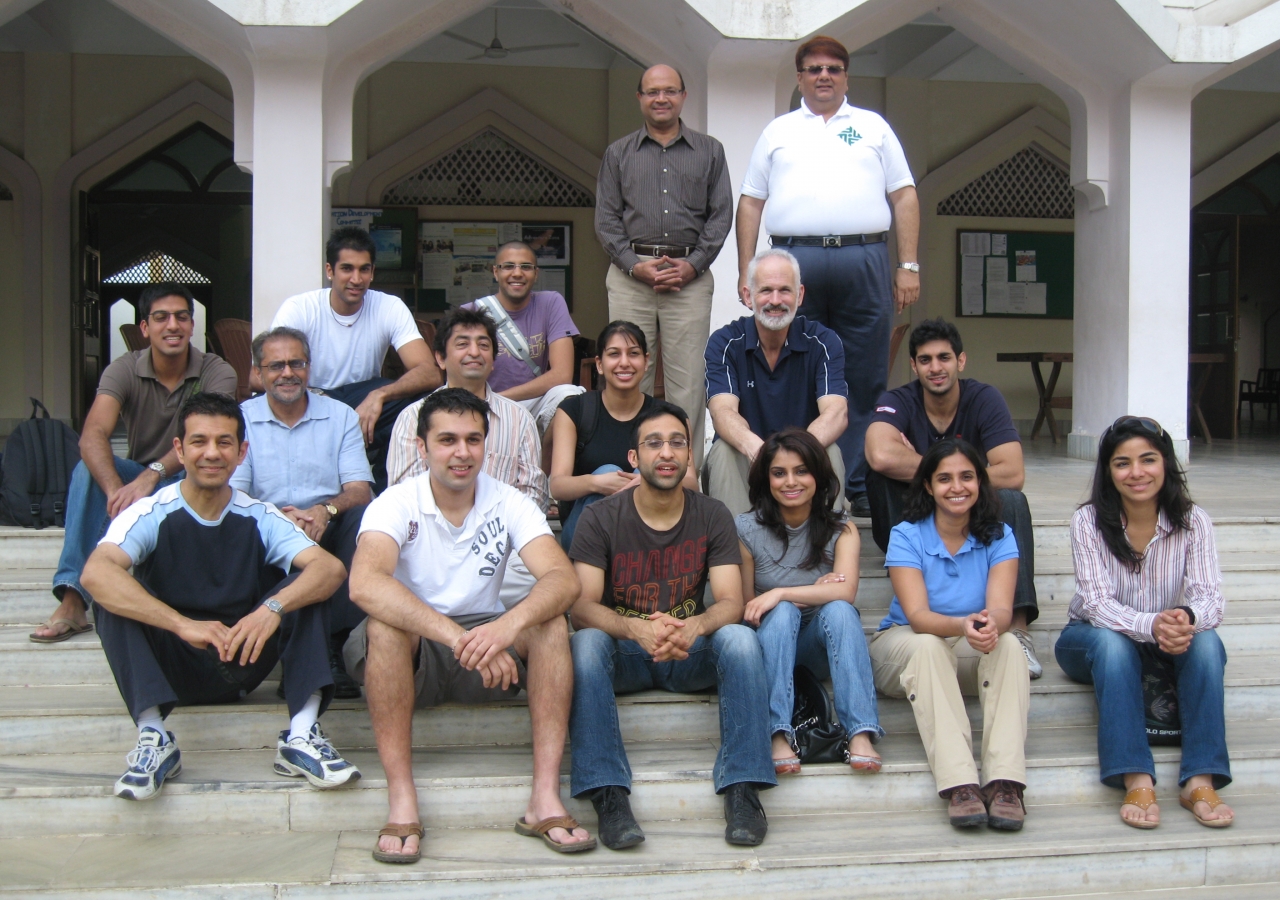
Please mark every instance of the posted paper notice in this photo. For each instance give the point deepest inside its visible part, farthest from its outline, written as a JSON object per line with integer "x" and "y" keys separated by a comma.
{"x": 971, "y": 299}
{"x": 1025, "y": 265}
{"x": 998, "y": 297}
{"x": 997, "y": 269}
{"x": 999, "y": 245}
{"x": 971, "y": 270}
{"x": 975, "y": 243}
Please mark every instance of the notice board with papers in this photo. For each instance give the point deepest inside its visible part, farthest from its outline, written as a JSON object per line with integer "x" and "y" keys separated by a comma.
{"x": 1015, "y": 274}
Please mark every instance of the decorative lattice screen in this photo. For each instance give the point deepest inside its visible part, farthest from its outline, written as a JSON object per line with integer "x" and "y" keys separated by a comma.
{"x": 155, "y": 267}
{"x": 1027, "y": 185}
{"x": 486, "y": 171}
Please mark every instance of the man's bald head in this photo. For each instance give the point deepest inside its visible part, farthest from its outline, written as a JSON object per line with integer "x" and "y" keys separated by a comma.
{"x": 659, "y": 72}
{"x": 661, "y": 95}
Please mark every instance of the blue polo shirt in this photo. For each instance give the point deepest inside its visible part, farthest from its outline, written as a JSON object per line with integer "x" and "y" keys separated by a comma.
{"x": 956, "y": 585}
{"x": 810, "y": 365}
{"x": 982, "y": 417}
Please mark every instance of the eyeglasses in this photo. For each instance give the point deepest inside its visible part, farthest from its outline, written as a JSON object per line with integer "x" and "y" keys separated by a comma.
{"x": 1142, "y": 422}
{"x": 659, "y": 93}
{"x": 511, "y": 267}
{"x": 655, "y": 444}
{"x": 159, "y": 317}
{"x": 818, "y": 70}
{"x": 275, "y": 368}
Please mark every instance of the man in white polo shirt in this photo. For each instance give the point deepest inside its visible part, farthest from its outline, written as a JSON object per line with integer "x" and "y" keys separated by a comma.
{"x": 835, "y": 180}
{"x": 428, "y": 568}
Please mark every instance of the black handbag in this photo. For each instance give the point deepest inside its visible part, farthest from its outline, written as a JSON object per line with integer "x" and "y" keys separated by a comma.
{"x": 1160, "y": 698}
{"x": 819, "y": 738}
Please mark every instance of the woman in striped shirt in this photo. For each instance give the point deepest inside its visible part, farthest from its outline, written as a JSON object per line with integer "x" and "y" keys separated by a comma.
{"x": 1148, "y": 585}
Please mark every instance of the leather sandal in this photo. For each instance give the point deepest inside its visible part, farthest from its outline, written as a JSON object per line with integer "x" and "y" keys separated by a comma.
{"x": 1143, "y": 798}
{"x": 1210, "y": 796}
{"x": 401, "y": 831}
{"x": 72, "y": 630}
{"x": 788, "y": 766}
{"x": 542, "y": 829}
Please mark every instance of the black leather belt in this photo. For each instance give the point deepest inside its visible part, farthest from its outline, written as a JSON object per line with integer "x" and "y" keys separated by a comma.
{"x": 661, "y": 250}
{"x": 829, "y": 240}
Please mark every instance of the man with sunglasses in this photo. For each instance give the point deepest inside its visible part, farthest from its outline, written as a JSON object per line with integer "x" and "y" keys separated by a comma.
{"x": 644, "y": 557}
{"x": 836, "y": 180}
{"x": 147, "y": 388}
{"x": 664, "y": 206}
{"x": 306, "y": 455}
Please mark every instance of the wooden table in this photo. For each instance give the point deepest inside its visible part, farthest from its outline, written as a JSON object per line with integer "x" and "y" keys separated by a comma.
{"x": 1197, "y": 391}
{"x": 1048, "y": 402}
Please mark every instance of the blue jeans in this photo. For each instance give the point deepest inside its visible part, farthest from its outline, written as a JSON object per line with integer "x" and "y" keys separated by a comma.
{"x": 729, "y": 660}
{"x": 571, "y": 523}
{"x": 1109, "y": 661}
{"x": 87, "y": 521}
{"x": 831, "y": 644}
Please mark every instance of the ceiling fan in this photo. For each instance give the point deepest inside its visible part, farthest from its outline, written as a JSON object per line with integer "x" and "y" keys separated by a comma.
{"x": 495, "y": 50}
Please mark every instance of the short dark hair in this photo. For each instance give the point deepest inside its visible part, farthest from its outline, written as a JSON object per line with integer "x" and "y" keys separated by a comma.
{"x": 451, "y": 400}
{"x": 523, "y": 245}
{"x": 161, "y": 289}
{"x": 821, "y": 43}
{"x": 280, "y": 332}
{"x": 463, "y": 317}
{"x": 208, "y": 403}
{"x": 659, "y": 408}
{"x": 349, "y": 237}
{"x": 938, "y": 329}
{"x": 640, "y": 83}
{"x": 985, "y": 523}
{"x": 622, "y": 326}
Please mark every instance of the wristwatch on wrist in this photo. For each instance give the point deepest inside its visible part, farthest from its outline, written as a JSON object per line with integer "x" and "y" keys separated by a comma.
{"x": 273, "y": 604}
{"x": 630, "y": 272}
{"x": 331, "y": 510}
{"x": 910, "y": 266}
{"x": 159, "y": 469}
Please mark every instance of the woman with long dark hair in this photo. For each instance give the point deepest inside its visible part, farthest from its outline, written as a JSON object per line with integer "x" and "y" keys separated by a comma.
{"x": 954, "y": 565}
{"x": 1148, "y": 595}
{"x": 800, "y": 578}
{"x": 592, "y": 431}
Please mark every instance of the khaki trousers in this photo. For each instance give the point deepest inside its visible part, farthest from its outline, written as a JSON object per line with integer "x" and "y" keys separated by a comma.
{"x": 932, "y": 673}
{"x": 685, "y": 317}
{"x": 724, "y": 476}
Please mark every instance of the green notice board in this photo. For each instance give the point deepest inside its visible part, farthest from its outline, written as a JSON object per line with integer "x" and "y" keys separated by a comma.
{"x": 1015, "y": 274}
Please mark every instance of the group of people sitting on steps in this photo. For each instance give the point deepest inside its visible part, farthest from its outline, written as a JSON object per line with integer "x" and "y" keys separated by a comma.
{"x": 239, "y": 536}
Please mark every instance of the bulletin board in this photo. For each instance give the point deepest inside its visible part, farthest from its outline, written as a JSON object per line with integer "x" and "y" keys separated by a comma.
{"x": 393, "y": 229}
{"x": 1015, "y": 274}
{"x": 455, "y": 259}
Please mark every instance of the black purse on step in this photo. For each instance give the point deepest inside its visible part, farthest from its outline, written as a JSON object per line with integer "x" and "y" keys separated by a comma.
{"x": 819, "y": 737}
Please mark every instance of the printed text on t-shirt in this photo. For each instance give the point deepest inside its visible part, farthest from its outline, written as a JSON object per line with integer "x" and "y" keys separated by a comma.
{"x": 666, "y": 580}
{"x": 490, "y": 544}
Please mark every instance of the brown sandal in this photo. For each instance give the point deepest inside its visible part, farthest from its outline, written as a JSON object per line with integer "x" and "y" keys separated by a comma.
{"x": 1210, "y": 796}
{"x": 541, "y": 829}
{"x": 1143, "y": 798}
{"x": 401, "y": 831}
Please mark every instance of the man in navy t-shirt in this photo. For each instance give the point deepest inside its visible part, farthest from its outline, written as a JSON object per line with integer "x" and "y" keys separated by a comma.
{"x": 939, "y": 403}
{"x": 208, "y": 610}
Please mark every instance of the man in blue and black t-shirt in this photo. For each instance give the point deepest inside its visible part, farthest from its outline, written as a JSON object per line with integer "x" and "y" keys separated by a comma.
{"x": 208, "y": 609}
{"x": 939, "y": 403}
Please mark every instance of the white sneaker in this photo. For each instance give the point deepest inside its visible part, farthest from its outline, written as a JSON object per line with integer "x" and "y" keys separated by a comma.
{"x": 313, "y": 758}
{"x": 1029, "y": 650}
{"x": 152, "y": 762}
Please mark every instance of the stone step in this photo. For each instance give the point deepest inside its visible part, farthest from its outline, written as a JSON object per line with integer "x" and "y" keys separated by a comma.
{"x": 29, "y": 548}
{"x": 49, "y": 719}
{"x": 900, "y": 855}
{"x": 25, "y": 596}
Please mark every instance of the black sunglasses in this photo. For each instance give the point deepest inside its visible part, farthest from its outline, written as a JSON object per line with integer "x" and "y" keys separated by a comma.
{"x": 1142, "y": 422}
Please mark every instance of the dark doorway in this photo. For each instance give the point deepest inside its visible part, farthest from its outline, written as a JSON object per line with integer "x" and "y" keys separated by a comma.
{"x": 1215, "y": 260}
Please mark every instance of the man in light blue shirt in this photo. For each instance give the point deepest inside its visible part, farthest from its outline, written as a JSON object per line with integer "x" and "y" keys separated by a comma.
{"x": 306, "y": 456}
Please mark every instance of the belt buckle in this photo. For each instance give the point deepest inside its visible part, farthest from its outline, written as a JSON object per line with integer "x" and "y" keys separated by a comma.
{"x": 831, "y": 240}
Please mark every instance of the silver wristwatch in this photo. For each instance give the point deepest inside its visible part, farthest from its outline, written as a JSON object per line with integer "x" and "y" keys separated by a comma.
{"x": 273, "y": 604}
{"x": 159, "y": 469}
{"x": 910, "y": 267}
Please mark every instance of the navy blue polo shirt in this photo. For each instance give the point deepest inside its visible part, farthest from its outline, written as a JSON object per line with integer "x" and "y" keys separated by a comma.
{"x": 982, "y": 418}
{"x": 810, "y": 365}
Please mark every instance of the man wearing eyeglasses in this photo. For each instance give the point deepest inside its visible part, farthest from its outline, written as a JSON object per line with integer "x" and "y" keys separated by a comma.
{"x": 664, "y": 206}
{"x": 147, "y": 387}
{"x": 644, "y": 557}
{"x": 836, "y": 180}
{"x": 306, "y": 455}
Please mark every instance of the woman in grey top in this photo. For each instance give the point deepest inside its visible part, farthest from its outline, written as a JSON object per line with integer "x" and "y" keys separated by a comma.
{"x": 800, "y": 575}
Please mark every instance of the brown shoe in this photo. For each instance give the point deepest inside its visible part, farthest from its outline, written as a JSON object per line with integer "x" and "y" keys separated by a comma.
{"x": 967, "y": 809}
{"x": 1005, "y": 809}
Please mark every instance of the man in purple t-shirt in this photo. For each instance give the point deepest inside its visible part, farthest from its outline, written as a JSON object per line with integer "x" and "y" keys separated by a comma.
{"x": 534, "y": 365}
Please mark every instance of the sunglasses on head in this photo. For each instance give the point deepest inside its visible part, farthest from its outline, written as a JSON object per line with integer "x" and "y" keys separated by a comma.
{"x": 1142, "y": 422}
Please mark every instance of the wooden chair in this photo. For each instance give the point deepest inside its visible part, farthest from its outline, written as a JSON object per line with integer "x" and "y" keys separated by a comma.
{"x": 895, "y": 342}
{"x": 584, "y": 357}
{"x": 235, "y": 337}
{"x": 133, "y": 338}
{"x": 391, "y": 366}
{"x": 1265, "y": 390}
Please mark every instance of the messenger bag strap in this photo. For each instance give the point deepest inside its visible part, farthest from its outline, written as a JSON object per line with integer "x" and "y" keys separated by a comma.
{"x": 510, "y": 336}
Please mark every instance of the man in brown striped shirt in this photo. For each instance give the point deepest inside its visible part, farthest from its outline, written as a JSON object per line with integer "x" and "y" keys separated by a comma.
{"x": 664, "y": 206}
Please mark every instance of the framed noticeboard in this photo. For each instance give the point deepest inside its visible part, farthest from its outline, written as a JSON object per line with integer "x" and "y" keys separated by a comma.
{"x": 1015, "y": 274}
{"x": 392, "y": 229}
{"x": 455, "y": 259}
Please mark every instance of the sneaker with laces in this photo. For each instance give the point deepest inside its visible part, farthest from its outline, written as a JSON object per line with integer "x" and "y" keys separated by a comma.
{"x": 152, "y": 762}
{"x": 1005, "y": 807}
{"x": 314, "y": 758}
{"x": 1029, "y": 650}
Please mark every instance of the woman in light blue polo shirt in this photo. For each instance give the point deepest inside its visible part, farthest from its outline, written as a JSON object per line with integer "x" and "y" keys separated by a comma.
{"x": 954, "y": 566}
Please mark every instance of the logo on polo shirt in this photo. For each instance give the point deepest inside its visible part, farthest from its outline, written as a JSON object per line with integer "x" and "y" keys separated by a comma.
{"x": 888, "y": 409}
{"x": 413, "y": 531}
{"x": 751, "y": 384}
{"x": 490, "y": 544}
{"x": 849, "y": 136}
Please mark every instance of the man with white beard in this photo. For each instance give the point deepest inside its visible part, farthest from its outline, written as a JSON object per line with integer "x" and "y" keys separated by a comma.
{"x": 767, "y": 372}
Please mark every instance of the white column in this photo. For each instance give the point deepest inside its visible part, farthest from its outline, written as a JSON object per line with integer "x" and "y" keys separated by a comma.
{"x": 1131, "y": 281}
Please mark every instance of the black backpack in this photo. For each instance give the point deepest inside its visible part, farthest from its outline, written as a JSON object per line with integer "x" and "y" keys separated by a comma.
{"x": 36, "y": 471}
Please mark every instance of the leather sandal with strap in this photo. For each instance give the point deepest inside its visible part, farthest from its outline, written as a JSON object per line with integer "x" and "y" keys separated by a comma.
{"x": 1143, "y": 798}
{"x": 542, "y": 830}
{"x": 1209, "y": 796}
{"x": 401, "y": 831}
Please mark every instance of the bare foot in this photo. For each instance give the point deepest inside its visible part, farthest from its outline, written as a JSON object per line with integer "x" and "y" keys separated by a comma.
{"x": 408, "y": 846}
{"x": 1202, "y": 809}
{"x": 1136, "y": 814}
{"x": 782, "y": 747}
{"x": 537, "y": 812}
{"x": 402, "y": 809}
{"x": 860, "y": 745}
{"x": 71, "y": 608}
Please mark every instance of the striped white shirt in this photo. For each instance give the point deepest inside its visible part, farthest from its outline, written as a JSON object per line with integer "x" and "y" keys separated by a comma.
{"x": 512, "y": 451}
{"x": 1179, "y": 568}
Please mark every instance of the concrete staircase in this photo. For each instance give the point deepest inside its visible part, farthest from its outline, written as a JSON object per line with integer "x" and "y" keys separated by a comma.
{"x": 228, "y": 827}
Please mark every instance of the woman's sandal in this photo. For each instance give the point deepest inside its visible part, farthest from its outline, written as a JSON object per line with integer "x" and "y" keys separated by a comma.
{"x": 1210, "y": 796}
{"x": 789, "y": 766}
{"x": 1143, "y": 798}
{"x": 401, "y": 831}
{"x": 863, "y": 765}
